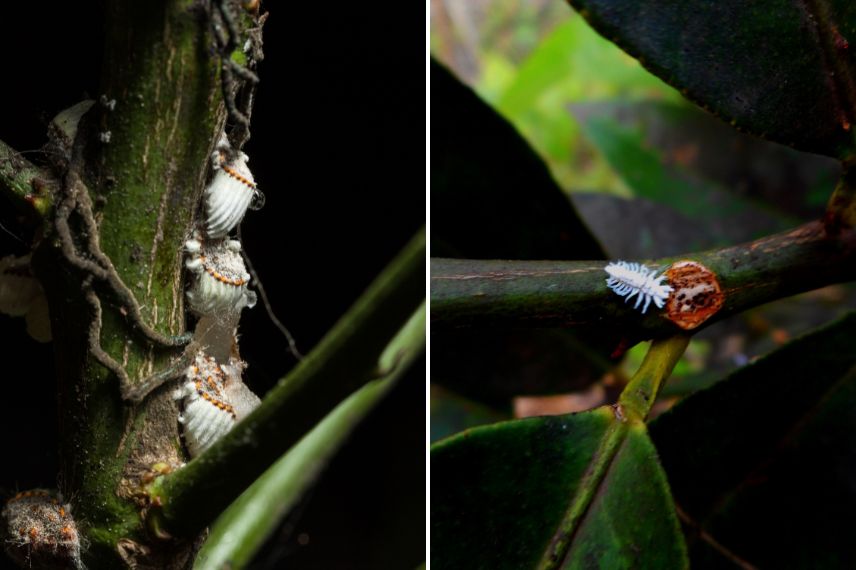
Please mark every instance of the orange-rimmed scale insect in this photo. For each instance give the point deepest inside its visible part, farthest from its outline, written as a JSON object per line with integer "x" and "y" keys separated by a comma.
{"x": 40, "y": 531}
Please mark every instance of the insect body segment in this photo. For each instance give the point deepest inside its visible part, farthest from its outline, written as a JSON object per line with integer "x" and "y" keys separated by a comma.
{"x": 629, "y": 279}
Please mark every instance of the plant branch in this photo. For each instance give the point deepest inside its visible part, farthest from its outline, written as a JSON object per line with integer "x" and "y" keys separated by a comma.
{"x": 345, "y": 359}
{"x": 475, "y": 293}
{"x": 23, "y": 182}
{"x": 248, "y": 522}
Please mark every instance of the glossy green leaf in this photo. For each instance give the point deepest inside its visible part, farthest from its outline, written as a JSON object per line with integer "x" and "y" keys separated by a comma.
{"x": 577, "y": 491}
{"x": 491, "y": 195}
{"x": 781, "y": 69}
{"x": 764, "y": 461}
{"x": 499, "y": 494}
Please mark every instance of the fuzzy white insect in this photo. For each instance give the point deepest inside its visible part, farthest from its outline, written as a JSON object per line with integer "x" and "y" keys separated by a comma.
{"x": 215, "y": 399}
{"x": 220, "y": 277}
{"x": 629, "y": 279}
{"x": 40, "y": 531}
{"x": 232, "y": 190}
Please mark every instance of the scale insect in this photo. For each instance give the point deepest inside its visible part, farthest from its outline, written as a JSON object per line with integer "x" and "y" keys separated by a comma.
{"x": 629, "y": 279}
{"x": 220, "y": 277}
{"x": 40, "y": 531}
{"x": 231, "y": 192}
{"x": 214, "y": 400}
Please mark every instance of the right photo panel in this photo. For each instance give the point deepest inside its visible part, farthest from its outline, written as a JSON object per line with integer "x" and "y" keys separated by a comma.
{"x": 641, "y": 304}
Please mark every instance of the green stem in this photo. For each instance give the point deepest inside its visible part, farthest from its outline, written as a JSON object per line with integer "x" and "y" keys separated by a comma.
{"x": 642, "y": 390}
{"x": 477, "y": 293}
{"x": 143, "y": 157}
{"x": 343, "y": 361}
{"x": 248, "y": 522}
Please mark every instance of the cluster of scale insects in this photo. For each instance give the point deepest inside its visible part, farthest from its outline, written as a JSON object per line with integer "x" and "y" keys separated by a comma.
{"x": 213, "y": 395}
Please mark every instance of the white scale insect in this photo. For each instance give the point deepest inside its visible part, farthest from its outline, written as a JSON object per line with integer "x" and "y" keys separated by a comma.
{"x": 220, "y": 283}
{"x": 215, "y": 399}
{"x": 629, "y": 279}
{"x": 231, "y": 192}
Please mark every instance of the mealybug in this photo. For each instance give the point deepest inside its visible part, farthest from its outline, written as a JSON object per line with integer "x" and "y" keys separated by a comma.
{"x": 628, "y": 279}
{"x": 40, "y": 531}
{"x": 232, "y": 190}
{"x": 220, "y": 283}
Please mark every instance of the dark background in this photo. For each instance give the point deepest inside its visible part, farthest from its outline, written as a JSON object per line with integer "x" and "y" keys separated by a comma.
{"x": 338, "y": 148}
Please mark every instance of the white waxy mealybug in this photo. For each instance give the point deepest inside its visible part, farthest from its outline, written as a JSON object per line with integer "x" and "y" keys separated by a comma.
{"x": 215, "y": 399}
{"x": 40, "y": 531}
{"x": 231, "y": 192}
{"x": 629, "y": 279}
{"x": 220, "y": 277}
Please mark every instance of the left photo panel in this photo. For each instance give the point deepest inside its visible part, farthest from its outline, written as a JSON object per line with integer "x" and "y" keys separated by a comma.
{"x": 212, "y": 287}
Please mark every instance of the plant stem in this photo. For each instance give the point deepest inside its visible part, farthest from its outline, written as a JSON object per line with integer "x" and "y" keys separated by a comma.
{"x": 642, "y": 390}
{"x": 143, "y": 156}
{"x": 345, "y": 359}
{"x": 477, "y": 293}
{"x": 248, "y": 522}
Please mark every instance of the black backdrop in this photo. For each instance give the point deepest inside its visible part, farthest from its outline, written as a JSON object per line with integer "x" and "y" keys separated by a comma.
{"x": 338, "y": 147}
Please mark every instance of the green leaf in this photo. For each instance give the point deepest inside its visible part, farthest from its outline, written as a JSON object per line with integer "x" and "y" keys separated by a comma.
{"x": 776, "y": 68}
{"x": 499, "y": 494}
{"x": 770, "y": 447}
{"x": 576, "y": 491}
{"x": 491, "y": 195}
